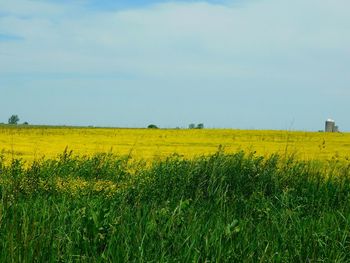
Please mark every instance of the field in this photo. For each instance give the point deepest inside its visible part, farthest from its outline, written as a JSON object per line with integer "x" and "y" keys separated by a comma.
{"x": 31, "y": 143}
{"x": 121, "y": 195}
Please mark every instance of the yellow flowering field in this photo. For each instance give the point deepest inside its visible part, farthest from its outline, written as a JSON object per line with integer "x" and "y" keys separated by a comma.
{"x": 31, "y": 143}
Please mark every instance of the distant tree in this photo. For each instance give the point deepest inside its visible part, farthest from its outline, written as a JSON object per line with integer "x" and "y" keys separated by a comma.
{"x": 192, "y": 126}
{"x": 152, "y": 126}
{"x": 25, "y": 123}
{"x": 13, "y": 120}
{"x": 200, "y": 126}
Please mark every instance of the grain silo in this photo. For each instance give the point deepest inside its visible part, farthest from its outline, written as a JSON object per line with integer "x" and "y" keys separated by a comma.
{"x": 330, "y": 125}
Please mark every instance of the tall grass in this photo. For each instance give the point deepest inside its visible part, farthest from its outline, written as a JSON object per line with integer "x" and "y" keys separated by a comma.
{"x": 219, "y": 208}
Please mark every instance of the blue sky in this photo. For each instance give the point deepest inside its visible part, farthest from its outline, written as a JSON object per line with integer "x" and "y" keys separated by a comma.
{"x": 262, "y": 64}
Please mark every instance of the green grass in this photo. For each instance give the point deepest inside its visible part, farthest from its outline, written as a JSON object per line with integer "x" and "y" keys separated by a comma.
{"x": 222, "y": 208}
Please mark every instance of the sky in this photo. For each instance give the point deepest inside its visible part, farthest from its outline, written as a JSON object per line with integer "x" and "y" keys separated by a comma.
{"x": 252, "y": 64}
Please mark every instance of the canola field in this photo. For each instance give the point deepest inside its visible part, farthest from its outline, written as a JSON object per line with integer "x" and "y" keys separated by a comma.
{"x": 32, "y": 143}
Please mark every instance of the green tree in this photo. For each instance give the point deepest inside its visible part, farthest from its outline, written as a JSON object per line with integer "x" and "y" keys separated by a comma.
{"x": 152, "y": 126}
{"x": 14, "y": 119}
{"x": 200, "y": 126}
{"x": 192, "y": 126}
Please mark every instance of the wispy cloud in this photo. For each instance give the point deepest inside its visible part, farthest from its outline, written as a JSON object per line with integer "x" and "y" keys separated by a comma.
{"x": 170, "y": 34}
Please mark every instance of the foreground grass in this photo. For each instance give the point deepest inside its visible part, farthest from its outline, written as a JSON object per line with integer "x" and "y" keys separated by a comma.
{"x": 219, "y": 208}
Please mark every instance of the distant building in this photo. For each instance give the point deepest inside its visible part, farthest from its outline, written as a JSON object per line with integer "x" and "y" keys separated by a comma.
{"x": 330, "y": 126}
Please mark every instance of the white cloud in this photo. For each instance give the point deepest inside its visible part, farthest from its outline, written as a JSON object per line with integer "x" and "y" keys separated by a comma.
{"x": 267, "y": 43}
{"x": 172, "y": 36}
{"x": 276, "y": 38}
